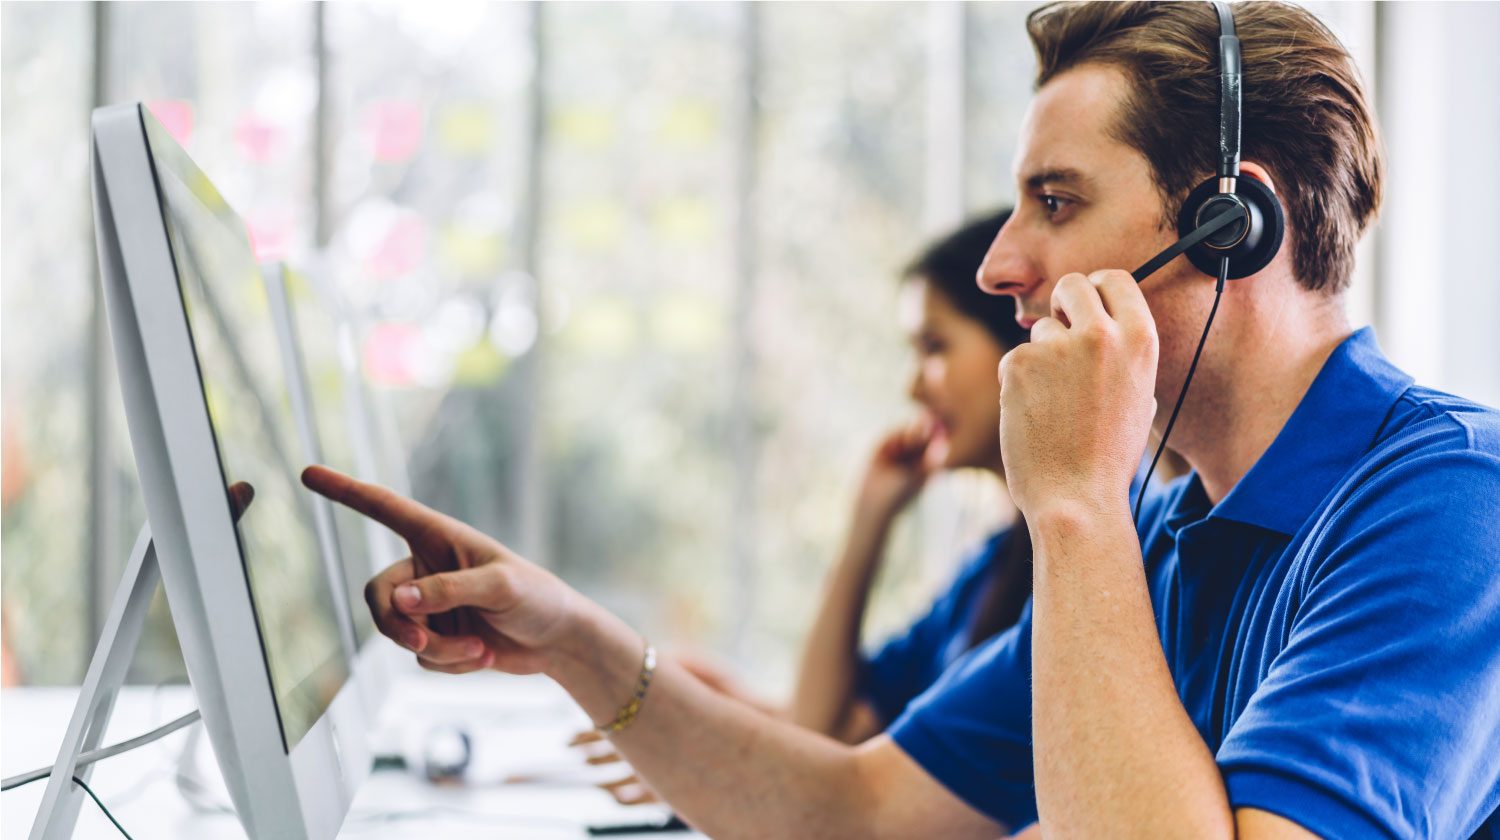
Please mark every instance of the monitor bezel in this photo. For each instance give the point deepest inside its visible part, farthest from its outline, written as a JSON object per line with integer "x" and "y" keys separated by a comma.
{"x": 304, "y": 793}
{"x": 373, "y": 661}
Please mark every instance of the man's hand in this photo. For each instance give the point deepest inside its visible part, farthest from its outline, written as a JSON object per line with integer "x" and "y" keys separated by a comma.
{"x": 1076, "y": 402}
{"x": 461, "y": 601}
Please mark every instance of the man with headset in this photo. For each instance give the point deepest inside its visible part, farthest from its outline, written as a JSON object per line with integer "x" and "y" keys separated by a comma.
{"x": 1301, "y": 638}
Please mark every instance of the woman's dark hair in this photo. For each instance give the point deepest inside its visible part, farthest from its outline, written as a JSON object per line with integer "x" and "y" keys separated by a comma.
{"x": 1009, "y": 588}
{"x": 950, "y": 263}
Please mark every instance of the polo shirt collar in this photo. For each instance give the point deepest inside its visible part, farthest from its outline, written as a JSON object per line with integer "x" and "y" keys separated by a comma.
{"x": 1337, "y": 421}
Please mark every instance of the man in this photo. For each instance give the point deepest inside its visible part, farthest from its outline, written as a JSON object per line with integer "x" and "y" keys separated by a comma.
{"x": 1307, "y": 645}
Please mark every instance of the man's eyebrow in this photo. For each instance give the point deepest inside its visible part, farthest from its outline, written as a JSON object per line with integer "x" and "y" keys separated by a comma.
{"x": 1064, "y": 177}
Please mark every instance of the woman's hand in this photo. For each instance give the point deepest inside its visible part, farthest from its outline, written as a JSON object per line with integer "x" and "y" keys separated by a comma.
{"x": 631, "y": 789}
{"x": 719, "y": 678}
{"x": 461, "y": 601}
{"x": 899, "y": 467}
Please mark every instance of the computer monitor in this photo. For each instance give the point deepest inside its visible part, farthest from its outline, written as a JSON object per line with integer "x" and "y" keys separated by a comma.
{"x": 333, "y": 410}
{"x": 264, "y": 628}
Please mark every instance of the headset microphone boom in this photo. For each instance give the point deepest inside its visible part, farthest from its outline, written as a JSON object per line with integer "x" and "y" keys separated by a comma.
{"x": 1230, "y": 227}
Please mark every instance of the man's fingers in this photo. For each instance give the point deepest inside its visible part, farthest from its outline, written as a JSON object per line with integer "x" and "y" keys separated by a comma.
{"x": 485, "y": 587}
{"x": 402, "y": 515}
{"x": 1043, "y": 331}
{"x": 1122, "y": 299}
{"x": 1076, "y": 303}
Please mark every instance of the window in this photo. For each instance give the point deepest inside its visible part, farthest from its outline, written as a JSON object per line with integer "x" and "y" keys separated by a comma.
{"x": 625, "y": 273}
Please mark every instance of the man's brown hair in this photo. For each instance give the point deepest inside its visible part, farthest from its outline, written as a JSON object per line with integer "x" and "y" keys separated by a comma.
{"x": 1306, "y": 118}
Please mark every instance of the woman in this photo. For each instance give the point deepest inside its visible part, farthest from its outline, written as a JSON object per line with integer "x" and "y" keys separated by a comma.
{"x": 958, "y": 334}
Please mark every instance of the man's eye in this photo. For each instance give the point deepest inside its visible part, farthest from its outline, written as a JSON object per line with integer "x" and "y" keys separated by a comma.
{"x": 1056, "y": 207}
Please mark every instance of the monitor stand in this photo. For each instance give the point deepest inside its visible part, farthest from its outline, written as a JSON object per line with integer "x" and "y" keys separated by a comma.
{"x": 58, "y": 814}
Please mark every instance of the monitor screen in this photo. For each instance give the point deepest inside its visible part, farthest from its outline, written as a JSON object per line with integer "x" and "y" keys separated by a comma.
{"x": 249, "y": 407}
{"x": 335, "y": 383}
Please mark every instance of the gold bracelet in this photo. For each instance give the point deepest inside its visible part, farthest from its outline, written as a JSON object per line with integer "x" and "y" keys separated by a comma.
{"x": 628, "y": 712}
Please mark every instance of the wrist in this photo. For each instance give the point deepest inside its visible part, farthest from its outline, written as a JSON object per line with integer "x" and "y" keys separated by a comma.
{"x": 1068, "y": 520}
{"x": 597, "y": 660}
{"x": 875, "y": 512}
{"x": 865, "y": 545}
{"x": 1075, "y": 491}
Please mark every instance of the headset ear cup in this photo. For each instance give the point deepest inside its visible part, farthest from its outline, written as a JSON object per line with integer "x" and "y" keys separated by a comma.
{"x": 1260, "y": 244}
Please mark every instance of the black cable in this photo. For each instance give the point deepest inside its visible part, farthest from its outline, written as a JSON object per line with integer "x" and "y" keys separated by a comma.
{"x": 1182, "y": 395}
{"x": 88, "y": 790}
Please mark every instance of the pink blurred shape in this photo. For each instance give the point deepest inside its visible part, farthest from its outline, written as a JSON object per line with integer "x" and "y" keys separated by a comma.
{"x": 270, "y": 236}
{"x": 388, "y": 353}
{"x": 256, "y": 138}
{"x": 176, "y": 116}
{"x": 401, "y": 250}
{"x": 397, "y": 129}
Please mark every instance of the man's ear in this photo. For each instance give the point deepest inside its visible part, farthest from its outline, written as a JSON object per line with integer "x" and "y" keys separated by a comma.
{"x": 1251, "y": 169}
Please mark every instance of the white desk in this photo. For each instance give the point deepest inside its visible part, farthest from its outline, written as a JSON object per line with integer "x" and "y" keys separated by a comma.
{"x": 518, "y": 725}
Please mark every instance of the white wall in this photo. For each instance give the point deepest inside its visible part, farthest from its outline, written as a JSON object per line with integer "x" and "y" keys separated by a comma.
{"x": 1437, "y": 289}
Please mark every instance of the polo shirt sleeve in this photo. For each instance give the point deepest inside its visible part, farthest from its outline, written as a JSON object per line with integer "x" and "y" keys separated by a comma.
{"x": 972, "y": 729}
{"x": 1380, "y": 717}
{"x": 909, "y": 663}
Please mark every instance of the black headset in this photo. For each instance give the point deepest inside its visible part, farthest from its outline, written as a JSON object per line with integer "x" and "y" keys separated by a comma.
{"x": 1230, "y": 227}
{"x": 1226, "y": 217}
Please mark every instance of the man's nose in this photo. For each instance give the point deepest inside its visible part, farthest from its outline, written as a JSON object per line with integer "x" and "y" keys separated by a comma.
{"x": 1006, "y": 270}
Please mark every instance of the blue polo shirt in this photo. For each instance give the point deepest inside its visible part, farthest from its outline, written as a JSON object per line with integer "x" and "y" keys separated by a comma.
{"x": 1332, "y": 624}
{"x": 909, "y": 663}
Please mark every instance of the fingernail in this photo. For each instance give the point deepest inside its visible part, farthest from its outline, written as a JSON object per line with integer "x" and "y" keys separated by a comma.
{"x": 408, "y": 595}
{"x": 414, "y": 641}
{"x": 473, "y": 649}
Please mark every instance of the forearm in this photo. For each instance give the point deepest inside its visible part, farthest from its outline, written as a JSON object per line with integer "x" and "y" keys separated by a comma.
{"x": 1115, "y": 749}
{"x": 831, "y": 659}
{"x": 729, "y": 770}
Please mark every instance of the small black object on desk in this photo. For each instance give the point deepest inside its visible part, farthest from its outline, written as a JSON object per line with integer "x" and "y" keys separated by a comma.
{"x": 671, "y": 823}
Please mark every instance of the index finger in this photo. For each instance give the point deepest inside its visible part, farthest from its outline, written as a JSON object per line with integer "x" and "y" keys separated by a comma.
{"x": 402, "y": 515}
{"x": 1076, "y": 302}
{"x": 1123, "y": 299}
